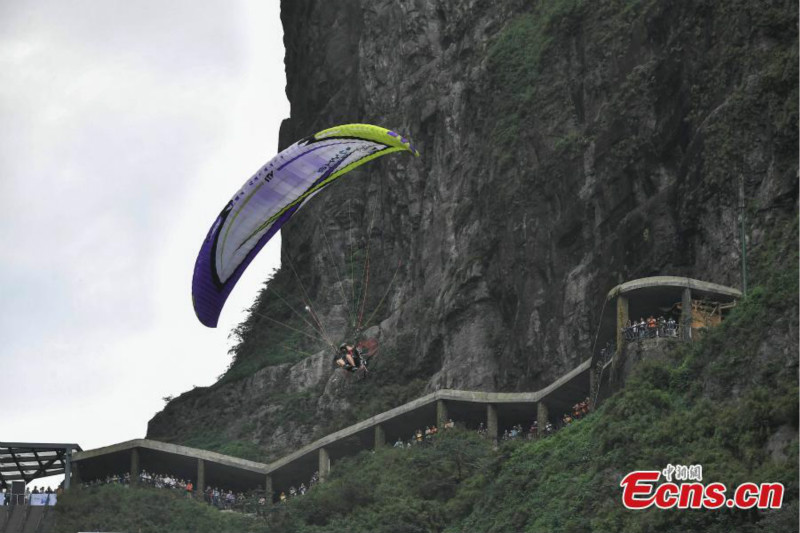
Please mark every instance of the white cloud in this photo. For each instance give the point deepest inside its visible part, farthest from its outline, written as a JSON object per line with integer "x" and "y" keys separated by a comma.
{"x": 127, "y": 126}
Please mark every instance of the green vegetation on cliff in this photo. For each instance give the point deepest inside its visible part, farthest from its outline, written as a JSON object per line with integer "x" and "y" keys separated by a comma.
{"x": 273, "y": 333}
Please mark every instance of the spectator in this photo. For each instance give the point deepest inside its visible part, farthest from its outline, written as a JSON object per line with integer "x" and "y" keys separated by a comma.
{"x": 302, "y": 489}
{"x": 651, "y": 327}
{"x": 399, "y": 443}
{"x": 283, "y": 497}
{"x": 629, "y": 331}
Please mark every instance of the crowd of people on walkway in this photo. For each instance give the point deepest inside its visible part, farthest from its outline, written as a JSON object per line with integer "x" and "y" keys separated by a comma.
{"x": 301, "y": 490}
{"x": 6, "y": 496}
{"x": 220, "y": 498}
{"x": 223, "y": 499}
{"x": 422, "y": 437}
{"x": 650, "y": 328}
{"x": 159, "y": 481}
{"x": 579, "y": 410}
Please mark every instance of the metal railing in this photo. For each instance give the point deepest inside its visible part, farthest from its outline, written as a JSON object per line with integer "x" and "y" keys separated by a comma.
{"x": 638, "y": 332}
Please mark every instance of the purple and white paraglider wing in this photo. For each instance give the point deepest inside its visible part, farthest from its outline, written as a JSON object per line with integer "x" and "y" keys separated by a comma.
{"x": 270, "y": 198}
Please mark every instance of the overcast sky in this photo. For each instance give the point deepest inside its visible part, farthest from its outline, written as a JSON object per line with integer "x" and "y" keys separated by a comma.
{"x": 126, "y": 127}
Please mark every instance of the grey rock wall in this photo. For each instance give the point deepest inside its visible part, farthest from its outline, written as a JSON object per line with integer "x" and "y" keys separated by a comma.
{"x": 630, "y": 130}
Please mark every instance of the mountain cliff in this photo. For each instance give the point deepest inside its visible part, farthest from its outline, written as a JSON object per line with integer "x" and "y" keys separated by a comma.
{"x": 566, "y": 146}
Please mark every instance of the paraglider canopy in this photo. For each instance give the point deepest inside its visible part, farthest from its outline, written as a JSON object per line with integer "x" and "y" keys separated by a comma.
{"x": 270, "y": 198}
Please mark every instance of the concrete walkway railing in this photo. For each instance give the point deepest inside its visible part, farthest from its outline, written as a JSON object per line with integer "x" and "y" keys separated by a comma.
{"x": 494, "y": 409}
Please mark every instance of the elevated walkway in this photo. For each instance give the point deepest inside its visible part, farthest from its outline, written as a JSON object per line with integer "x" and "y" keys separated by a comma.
{"x": 495, "y": 409}
{"x": 470, "y": 408}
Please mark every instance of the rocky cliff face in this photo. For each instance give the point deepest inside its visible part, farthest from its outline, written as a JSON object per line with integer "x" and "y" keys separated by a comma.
{"x": 566, "y": 147}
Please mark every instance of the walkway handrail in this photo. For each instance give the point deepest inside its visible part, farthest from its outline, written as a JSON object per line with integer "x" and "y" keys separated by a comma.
{"x": 369, "y": 423}
{"x": 441, "y": 394}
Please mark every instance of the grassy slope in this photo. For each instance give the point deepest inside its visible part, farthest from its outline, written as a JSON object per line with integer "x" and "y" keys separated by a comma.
{"x": 143, "y": 510}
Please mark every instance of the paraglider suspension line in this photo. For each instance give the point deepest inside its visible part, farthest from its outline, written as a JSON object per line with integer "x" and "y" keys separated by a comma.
{"x": 350, "y": 311}
{"x": 310, "y": 304}
{"x": 294, "y": 311}
{"x": 385, "y": 294}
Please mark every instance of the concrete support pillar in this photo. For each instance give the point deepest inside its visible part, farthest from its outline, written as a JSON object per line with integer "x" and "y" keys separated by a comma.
{"x": 441, "y": 413}
{"x": 622, "y": 319}
{"x": 134, "y": 466}
{"x": 491, "y": 421}
{"x": 200, "y": 484}
{"x": 67, "y": 469}
{"x": 324, "y": 464}
{"x": 686, "y": 314}
{"x": 76, "y": 475}
{"x": 380, "y": 436}
{"x": 268, "y": 488}
{"x": 542, "y": 416}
